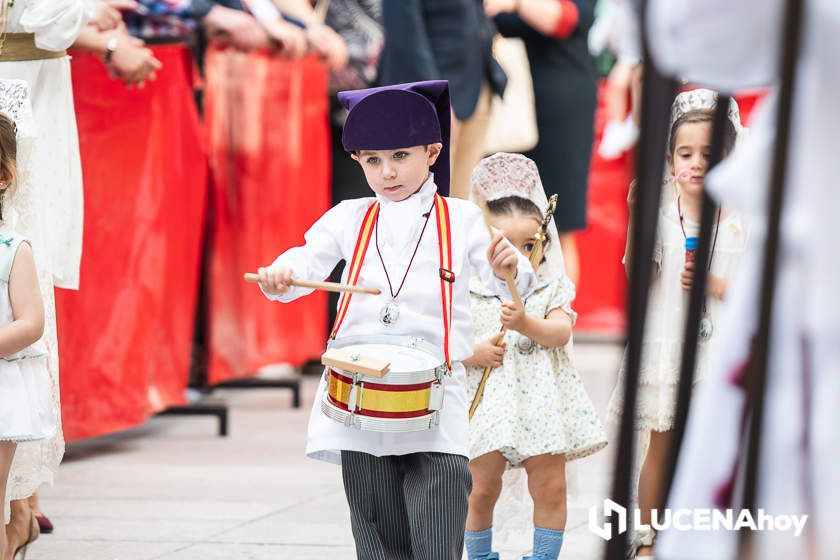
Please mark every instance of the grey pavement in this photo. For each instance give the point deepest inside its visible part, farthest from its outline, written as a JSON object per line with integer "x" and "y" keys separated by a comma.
{"x": 173, "y": 490}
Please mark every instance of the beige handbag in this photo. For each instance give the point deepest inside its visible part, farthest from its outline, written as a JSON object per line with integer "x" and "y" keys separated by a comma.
{"x": 513, "y": 119}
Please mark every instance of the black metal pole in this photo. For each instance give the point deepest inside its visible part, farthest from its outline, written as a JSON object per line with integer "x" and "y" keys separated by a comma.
{"x": 697, "y": 293}
{"x": 757, "y": 374}
{"x": 657, "y": 96}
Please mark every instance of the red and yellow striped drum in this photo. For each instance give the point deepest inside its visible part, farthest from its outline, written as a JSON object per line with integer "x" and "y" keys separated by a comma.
{"x": 406, "y": 399}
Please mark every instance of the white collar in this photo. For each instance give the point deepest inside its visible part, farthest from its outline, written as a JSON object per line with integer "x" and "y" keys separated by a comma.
{"x": 421, "y": 200}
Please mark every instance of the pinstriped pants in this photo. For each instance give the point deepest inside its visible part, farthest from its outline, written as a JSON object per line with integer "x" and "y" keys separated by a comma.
{"x": 407, "y": 507}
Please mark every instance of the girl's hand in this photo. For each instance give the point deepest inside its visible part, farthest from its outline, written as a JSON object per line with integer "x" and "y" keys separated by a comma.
{"x": 715, "y": 286}
{"x": 275, "y": 280}
{"x": 487, "y": 354}
{"x": 513, "y": 317}
{"x": 687, "y": 276}
{"x": 502, "y": 256}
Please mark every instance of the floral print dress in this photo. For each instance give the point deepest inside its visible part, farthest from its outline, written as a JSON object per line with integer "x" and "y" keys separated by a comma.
{"x": 535, "y": 403}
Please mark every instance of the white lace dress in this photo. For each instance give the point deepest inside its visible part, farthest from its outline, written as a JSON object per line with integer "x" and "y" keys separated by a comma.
{"x": 27, "y": 412}
{"x": 535, "y": 403}
{"x": 667, "y": 308}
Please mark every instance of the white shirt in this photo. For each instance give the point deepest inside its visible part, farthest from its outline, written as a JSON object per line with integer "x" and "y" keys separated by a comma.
{"x": 333, "y": 237}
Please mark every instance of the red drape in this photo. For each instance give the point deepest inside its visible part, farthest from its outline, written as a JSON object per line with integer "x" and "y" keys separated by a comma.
{"x": 125, "y": 337}
{"x": 268, "y": 133}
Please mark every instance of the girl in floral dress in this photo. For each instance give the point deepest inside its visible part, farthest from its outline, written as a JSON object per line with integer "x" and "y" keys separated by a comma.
{"x": 535, "y": 413}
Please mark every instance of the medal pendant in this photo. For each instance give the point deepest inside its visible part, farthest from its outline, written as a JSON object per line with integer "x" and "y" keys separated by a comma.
{"x": 524, "y": 344}
{"x": 706, "y": 328}
{"x": 389, "y": 313}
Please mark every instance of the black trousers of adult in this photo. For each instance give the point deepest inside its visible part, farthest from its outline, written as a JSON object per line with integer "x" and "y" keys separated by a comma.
{"x": 407, "y": 507}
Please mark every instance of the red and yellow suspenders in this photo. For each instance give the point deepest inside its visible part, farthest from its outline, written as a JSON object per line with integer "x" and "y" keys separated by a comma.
{"x": 447, "y": 277}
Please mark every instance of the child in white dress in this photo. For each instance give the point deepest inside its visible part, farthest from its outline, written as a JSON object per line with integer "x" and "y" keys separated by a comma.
{"x": 535, "y": 412}
{"x": 26, "y": 411}
{"x": 679, "y": 216}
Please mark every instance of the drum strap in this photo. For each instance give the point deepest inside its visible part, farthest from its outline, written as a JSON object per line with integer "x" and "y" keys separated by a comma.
{"x": 362, "y": 243}
{"x": 447, "y": 277}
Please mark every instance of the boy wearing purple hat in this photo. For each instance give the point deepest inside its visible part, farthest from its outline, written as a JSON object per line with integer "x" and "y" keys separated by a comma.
{"x": 407, "y": 489}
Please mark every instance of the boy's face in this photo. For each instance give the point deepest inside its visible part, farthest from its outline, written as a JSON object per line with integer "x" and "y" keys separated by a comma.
{"x": 398, "y": 174}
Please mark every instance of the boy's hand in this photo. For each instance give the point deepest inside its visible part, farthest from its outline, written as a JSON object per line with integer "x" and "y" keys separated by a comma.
{"x": 502, "y": 256}
{"x": 513, "y": 317}
{"x": 275, "y": 280}
{"x": 487, "y": 354}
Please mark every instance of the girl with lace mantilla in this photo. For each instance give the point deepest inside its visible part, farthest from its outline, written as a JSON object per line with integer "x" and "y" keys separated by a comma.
{"x": 679, "y": 216}
{"x": 26, "y": 410}
{"x": 535, "y": 412}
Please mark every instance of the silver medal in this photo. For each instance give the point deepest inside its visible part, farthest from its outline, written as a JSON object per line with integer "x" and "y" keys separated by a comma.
{"x": 706, "y": 328}
{"x": 524, "y": 344}
{"x": 389, "y": 313}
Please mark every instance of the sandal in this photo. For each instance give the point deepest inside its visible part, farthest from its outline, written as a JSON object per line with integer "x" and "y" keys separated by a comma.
{"x": 34, "y": 533}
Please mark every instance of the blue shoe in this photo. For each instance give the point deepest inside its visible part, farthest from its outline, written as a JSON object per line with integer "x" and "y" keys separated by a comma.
{"x": 492, "y": 556}
{"x": 534, "y": 558}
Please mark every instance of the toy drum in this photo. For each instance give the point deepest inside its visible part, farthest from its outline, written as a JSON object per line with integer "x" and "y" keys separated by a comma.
{"x": 383, "y": 383}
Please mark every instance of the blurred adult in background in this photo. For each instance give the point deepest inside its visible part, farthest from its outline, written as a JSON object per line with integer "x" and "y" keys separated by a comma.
{"x": 615, "y": 33}
{"x": 126, "y": 57}
{"x": 291, "y": 26}
{"x": 450, "y": 40}
{"x": 563, "y": 72}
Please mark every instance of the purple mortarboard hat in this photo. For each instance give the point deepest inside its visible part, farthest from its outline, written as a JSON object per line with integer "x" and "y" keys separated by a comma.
{"x": 400, "y": 116}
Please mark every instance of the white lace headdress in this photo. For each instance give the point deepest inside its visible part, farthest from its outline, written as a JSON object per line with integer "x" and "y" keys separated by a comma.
{"x": 20, "y": 209}
{"x": 502, "y": 175}
{"x": 705, "y": 99}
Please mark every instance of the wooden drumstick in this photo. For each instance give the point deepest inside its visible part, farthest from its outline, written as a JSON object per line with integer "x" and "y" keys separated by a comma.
{"x": 326, "y": 286}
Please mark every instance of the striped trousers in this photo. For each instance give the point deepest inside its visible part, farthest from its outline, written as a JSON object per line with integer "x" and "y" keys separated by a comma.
{"x": 407, "y": 507}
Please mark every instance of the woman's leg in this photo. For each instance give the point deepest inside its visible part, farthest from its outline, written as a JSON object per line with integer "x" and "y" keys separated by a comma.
{"x": 7, "y": 453}
{"x": 651, "y": 479}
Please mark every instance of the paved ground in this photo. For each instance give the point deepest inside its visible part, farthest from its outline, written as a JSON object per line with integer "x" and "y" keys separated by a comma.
{"x": 173, "y": 490}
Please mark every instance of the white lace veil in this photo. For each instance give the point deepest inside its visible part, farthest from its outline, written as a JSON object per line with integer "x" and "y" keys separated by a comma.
{"x": 15, "y": 104}
{"x": 20, "y": 208}
{"x": 502, "y": 175}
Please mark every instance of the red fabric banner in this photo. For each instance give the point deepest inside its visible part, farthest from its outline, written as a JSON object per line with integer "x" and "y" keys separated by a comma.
{"x": 125, "y": 337}
{"x": 269, "y": 145}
